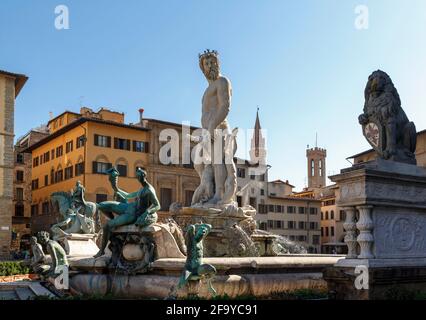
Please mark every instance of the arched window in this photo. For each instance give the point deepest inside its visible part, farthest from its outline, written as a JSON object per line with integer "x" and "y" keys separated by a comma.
{"x": 312, "y": 167}
{"x": 326, "y": 215}
{"x": 320, "y": 167}
{"x": 332, "y": 215}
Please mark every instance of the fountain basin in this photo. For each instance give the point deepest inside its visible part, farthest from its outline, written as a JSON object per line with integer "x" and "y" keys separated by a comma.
{"x": 244, "y": 276}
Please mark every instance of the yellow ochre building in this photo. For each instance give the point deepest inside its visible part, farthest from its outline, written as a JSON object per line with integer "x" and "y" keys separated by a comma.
{"x": 83, "y": 146}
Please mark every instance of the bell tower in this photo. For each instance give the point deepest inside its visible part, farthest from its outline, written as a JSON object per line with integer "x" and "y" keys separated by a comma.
{"x": 257, "y": 148}
{"x": 316, "y": 167}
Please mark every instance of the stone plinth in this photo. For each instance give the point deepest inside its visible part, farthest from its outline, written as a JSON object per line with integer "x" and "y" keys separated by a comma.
{"x": 385, "y": 205}
{"x": 80, "y": 244}
{"x": 134, "y": 249}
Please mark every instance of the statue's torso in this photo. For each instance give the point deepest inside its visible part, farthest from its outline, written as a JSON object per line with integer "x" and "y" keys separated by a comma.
{"x": 210, "y": 103}
{"x": 143, "y": 200}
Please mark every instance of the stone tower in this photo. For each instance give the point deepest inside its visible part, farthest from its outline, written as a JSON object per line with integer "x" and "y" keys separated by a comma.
{"x": 258, "y": 147}
{"x": 10, "y": 85}
{"x": 316, "y": 167}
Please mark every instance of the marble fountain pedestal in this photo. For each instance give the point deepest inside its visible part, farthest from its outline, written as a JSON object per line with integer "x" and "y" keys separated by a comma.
{"x": 147, "y": 264}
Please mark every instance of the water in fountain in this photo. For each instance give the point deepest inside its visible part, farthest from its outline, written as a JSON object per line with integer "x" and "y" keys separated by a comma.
{"x": 283, "y": 245}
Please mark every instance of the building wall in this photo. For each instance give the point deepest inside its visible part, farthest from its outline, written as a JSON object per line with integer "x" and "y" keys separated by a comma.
{"x": 251, "y": 189}
{"x": 94, "y": 183}
{"x": 278, "y": 194}
{"x": 307, "y": 235}
{"x": 420, "y": 152}
{"x": 7, "y": 103}
{"x": 279, "y": 189}
{"x": 332, "y": 232}
{"x": 181, "y": 180}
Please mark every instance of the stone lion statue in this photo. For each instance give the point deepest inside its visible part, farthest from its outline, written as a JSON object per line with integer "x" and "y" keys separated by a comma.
{"x": 385, "y": 123}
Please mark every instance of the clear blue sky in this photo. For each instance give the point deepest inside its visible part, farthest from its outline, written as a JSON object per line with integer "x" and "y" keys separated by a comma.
{"x": 303, "y": 62}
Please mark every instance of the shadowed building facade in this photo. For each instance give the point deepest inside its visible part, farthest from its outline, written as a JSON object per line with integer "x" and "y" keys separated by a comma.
{"x": 10, "y": 86}
{"x": 22, "y": 188}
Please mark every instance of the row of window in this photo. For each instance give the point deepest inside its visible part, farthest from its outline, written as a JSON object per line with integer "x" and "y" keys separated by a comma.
{"x": 241, "y": 173}
{"x": 325, "y": 216}
{"x": 300, "y": 238}
{"x": 59, "y": 151}
{"x": 331, "y": 202}
{"x": 60, "y": 175}
{"x": 327, "y": 231}
{"x": 293, "y": 225}
{"x": 122, "y": 144}
{"x": 99, "y": 140}
{"x": 45, "y": 209}
{"x": 77, "y": 170}
{"x": 266, "y": 208}
{"x": 165, "y": 196}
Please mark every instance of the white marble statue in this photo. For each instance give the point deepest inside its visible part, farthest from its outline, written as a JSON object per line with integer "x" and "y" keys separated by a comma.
{"x": 218, "y": 178}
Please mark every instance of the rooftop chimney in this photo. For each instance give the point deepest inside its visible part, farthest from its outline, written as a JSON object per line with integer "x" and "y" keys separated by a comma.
{"x": 50, "y": 115}
{"x": 141, "y": 110}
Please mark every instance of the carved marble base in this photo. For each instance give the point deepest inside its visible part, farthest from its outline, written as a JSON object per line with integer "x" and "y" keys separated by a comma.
{"x": 77, "y": 244}
{"x": 385, "y": 205}
{"x": 231, "y": 233}
{"x": 135, "y": 249}
{"x": 390, "y": 199}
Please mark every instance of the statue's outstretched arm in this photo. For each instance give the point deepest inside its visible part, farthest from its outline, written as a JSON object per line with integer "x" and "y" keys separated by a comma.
{"x": 155, "y": 204}
{"x": 127, "y": 195}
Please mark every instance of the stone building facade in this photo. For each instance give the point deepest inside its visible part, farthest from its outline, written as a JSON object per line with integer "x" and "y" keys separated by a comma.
{"x": 10, "y": 86}
{"x": 332, "y": 219}
{"x": 22, "y": 189}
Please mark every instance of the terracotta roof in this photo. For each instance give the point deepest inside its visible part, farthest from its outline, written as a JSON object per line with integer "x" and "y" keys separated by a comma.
{"x": 20, "y": 80}
{"x": 60, "y": 115}
{"x": 167, "y": 123}
{"x": 295, "y": 198}
{"x": 78, "y": 122}
{"x": 278, "y": 181}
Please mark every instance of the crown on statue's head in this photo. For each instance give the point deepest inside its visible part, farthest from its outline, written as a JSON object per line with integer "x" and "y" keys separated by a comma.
{"x": 208, "y": 53}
